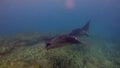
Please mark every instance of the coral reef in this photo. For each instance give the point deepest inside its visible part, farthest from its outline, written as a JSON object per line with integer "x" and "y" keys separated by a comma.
{"x": 97, "y": 54}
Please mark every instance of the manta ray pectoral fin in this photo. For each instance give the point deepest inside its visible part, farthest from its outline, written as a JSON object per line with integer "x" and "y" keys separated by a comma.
{"x": 86, "y": 26}
{"x": 81, "y": 31}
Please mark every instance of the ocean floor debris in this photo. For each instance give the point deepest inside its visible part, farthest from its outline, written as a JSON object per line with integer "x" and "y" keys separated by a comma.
{"x": 99, "y": 54}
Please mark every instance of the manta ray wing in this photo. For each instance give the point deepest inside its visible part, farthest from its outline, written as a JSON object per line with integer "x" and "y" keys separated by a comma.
{"x": 81, "y": 31}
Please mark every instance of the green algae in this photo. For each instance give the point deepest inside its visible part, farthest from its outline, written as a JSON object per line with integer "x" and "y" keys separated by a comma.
{"x": 98, "y": 54}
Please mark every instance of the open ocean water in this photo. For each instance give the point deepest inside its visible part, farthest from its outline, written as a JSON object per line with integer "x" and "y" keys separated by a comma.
{"x": 25, "y": 25}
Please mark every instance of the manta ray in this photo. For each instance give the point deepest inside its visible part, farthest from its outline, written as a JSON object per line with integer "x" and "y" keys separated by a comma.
{"x": 61, "y": 40}
{"x": 81, "y": 31}
{"x": 71, "y": 38}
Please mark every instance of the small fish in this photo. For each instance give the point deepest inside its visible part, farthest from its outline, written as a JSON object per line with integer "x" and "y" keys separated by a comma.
{"x": 81, "y": 31}
{"x": 60, "y": 41}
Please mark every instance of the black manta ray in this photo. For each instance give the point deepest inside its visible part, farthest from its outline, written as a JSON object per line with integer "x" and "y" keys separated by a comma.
{"x": 81, "y": 31}
{"x": 61, "y": 40}
{"x": 71, "y": 38}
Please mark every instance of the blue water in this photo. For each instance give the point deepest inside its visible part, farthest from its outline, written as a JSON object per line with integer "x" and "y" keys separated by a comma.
{"x": 53, "y": 16}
